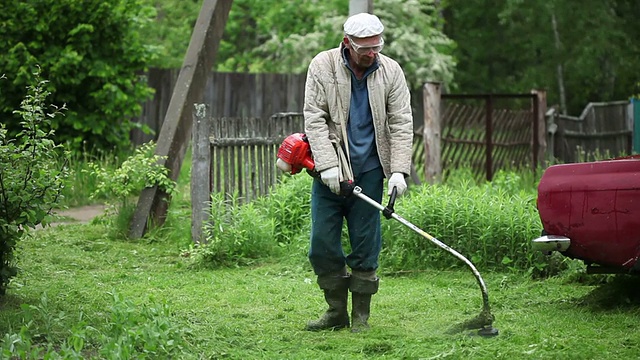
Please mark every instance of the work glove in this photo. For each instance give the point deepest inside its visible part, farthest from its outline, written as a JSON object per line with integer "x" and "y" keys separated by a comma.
{"x": 397, "y": 180}
{"x": 330, "y": 177}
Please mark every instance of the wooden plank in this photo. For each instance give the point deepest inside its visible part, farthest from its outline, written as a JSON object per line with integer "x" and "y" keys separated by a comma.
{"x": 470, "y": 117}
{"x": 474, "y": 155}
{"x": 200, "y": 170}
{"x": 215, "y": 168}
{"x": 255, "y": 172}
{"x": 432, "y": 133}
{"x": 176, "y": 128}
{"x": 608, "y": 134}
{"x": 502, "y": 134}
{"x": 224, "y": 167}
{"x": 247, "y": 141}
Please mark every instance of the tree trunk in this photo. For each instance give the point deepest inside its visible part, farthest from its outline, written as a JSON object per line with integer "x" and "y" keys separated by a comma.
{"x": 563, "y": 97}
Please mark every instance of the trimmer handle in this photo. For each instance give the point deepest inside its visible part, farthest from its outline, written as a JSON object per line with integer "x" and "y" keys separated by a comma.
{"x": 346, "y": 188}
{"x": 392, "y": 200}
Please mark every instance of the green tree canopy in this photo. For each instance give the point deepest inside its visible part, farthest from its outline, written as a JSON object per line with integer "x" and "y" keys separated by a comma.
{"x": 92, "y": 54}
{"x": 283, "y": 37}
{"x": 587, "y": 49}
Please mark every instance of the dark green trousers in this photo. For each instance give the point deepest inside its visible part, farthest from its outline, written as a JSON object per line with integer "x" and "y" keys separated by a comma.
{"x": 328, "y": 211}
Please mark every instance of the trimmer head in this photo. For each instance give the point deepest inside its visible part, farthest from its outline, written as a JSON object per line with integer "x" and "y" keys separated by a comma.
{"x": 483, "y": 322}
{"x": 488, "y": 331}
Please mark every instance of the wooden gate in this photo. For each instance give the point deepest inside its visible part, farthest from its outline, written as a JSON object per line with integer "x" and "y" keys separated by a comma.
{"x": 484, "y": 132}
{"x": 235, "y": 156}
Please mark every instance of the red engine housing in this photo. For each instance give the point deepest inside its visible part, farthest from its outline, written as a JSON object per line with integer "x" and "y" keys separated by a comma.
{"x": 295, "y": 151}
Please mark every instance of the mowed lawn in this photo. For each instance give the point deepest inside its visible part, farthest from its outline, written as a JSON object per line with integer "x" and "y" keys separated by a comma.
{"x": 259, "y": 311}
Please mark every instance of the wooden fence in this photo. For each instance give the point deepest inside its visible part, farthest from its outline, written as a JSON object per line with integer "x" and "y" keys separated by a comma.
{"x": 227, "y": 95}
{"x": 235, "y": 156}
{"x": 603, "y": 130}
{"x": 483, "y": 132}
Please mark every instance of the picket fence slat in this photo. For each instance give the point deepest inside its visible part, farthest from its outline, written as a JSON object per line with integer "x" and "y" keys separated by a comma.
{"x": 244, "y": 151}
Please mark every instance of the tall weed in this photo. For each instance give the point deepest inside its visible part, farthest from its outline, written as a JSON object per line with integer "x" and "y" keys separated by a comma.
{"x": 492, "y": 224}
{"x": 236, "y": 234}
{"x": 487, "y": 224}
{"x": 82, "y": 182}
{"x": 140, "y": 170}
{"x": 289, "y": 205}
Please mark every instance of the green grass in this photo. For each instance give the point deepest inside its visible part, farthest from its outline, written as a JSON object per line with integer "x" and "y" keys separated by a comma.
{"x": 259, "y": 311}
{"x": 83, "y": 291}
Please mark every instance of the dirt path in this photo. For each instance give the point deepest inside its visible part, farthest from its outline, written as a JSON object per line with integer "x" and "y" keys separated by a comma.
{"x": 81, "y": 214}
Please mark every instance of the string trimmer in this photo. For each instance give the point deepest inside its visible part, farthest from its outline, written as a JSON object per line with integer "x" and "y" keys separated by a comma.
{"x": 294, "y": 155}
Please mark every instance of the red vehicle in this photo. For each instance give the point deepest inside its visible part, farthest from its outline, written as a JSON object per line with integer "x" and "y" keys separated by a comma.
{"x": 591, "y": 211}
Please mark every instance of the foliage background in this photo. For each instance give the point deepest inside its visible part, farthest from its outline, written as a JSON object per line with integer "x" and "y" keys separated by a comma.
{"x": 93, "y": 55}
{"x": 473, "y": 46}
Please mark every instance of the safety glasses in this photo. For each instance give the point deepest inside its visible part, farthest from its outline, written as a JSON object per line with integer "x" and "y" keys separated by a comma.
{"x": 365, "y": 49}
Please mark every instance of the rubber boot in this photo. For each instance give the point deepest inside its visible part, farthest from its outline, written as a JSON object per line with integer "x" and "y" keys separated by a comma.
{"x": 363, "y": 285}
{"x": 336, "y": 293}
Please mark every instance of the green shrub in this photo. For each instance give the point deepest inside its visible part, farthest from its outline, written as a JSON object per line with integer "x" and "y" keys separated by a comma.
{"x": 236, "y": 234}
{"x": 32, "y": 175}
{"x": 83, "y": 182}
{"x": 240, "y": 234}
{"x": 289, "y": 205}
{"x": 92, "y": 53}
{"x": 120, "y": 185}
{"x": 492, "y": 224}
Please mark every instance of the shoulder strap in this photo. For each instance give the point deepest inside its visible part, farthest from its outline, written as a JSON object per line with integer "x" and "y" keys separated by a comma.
{"x": 344, "y": 160}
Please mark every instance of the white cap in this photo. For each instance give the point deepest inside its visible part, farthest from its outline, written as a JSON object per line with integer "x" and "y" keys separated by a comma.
{"x": 363, "y": 25}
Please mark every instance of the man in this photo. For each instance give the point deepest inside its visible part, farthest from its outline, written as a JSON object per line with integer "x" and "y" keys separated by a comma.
{"x": 357, "y": 102}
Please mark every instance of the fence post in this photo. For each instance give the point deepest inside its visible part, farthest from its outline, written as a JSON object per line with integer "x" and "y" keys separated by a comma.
{"x": 552, "y": 128}
{"x": 489, "y": 137}
{"x": 432, "y": 132}
{"x": 200, "y": 171}
{"x": 539, "y": 123}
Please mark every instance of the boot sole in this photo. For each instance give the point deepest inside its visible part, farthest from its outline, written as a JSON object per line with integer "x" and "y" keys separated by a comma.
{"x": 330, "y": 328}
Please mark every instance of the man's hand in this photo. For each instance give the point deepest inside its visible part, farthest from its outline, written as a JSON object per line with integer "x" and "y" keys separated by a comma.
{"x": 330, "y": 177}
{"x": 397, "y": 180}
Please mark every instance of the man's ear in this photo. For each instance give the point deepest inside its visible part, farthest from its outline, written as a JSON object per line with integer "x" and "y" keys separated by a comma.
{"x": 345, "y": 41}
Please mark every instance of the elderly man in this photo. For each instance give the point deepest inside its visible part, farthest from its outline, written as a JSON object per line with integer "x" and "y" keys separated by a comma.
{"x": 359, "y": 125}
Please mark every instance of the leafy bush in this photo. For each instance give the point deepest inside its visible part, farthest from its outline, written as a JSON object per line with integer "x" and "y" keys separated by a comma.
{"x": 491, "y": 224}
{"x": 289, "y": 205}
{"x": 140, "y": 170}
{"x": 239, "y": 234}
{"x": 92, "y": 53}
{"x": 31, "y": 179}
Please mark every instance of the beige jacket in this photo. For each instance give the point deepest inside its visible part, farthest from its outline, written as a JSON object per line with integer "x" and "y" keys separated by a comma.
{"x": 326, "y": 107}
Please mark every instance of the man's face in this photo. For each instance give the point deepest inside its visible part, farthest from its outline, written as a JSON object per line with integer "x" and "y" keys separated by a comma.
{"x": 363, "y": 51}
